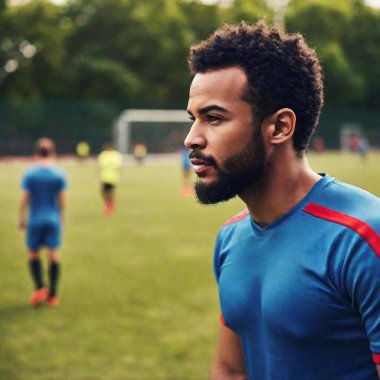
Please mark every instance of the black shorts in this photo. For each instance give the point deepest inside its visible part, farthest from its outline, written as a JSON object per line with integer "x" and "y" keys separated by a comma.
{"x": 107, "y": 186}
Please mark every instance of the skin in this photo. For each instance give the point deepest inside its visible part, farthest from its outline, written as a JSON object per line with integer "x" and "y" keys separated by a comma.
{"x": 222, "y": 121}
{"x": 222, "y": 124}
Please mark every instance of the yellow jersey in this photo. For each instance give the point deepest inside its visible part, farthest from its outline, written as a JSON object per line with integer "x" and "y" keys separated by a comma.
{"x": 110, "y": 164}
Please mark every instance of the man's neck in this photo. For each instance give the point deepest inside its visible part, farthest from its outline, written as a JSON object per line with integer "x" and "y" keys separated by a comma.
{"x": 283, "y": 187}
{"x": 45, "y": 161}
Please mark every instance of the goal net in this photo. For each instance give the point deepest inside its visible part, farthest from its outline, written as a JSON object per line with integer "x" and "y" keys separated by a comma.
{"x": 162, "y": 131}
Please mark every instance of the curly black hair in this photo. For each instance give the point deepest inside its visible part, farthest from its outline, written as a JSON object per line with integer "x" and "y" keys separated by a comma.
{"x": 282, "y": 71}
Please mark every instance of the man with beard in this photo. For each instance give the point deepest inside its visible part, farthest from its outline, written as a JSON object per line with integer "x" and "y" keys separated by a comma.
{"x": 299, "y": 270}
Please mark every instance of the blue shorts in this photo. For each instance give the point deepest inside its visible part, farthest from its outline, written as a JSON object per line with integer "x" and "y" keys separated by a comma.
{"x": 43, "y": 234}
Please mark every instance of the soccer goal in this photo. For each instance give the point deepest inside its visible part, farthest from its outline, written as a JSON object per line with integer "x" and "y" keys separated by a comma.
{"x": 159, "y": 129}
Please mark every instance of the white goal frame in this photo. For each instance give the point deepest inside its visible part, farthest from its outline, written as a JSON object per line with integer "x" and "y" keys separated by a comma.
{"x": 122, "y": 132}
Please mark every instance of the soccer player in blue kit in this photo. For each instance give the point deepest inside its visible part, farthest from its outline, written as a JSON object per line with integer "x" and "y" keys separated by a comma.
{"x": 299, "y": 270}
{"x": 43, "y": 194}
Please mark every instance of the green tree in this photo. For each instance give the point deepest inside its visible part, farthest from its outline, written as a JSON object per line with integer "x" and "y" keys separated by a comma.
{"x": 249, "y": 11}
{"x": 35, "y": 43}
{"x": 147, "y": 40}
{"x": 362, "y": 49}
{"x": 325, "y": 25}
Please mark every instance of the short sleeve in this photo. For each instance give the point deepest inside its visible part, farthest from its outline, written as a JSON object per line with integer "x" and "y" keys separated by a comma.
{"x": 362, "y": 281}
{"x": 25, "y": 183}
{"x": 62, "y": 183}
{"x": 218, "y": 256}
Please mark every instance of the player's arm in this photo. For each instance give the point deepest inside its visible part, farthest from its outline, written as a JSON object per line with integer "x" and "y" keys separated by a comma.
{"x": 62, "y": 204}
{"x": 228, "y": 363}
{"x": 24, "y": 204}
{"x": 378, "y": 370}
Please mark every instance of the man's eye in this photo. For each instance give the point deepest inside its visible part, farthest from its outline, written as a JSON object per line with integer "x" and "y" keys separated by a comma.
{"x": 212, "y": 119}
{"x": 192, "y": 118}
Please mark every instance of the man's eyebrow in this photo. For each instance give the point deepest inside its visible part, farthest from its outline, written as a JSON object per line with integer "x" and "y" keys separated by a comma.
{"x": 211, "y": 107}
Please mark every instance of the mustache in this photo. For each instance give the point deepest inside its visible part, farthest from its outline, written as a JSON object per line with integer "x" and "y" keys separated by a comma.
{"x": 209, "y": 160}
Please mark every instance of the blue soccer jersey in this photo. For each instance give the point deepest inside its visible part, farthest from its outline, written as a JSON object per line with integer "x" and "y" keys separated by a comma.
{"x": 303, "y": 294}
{"x": 44, "y": 183}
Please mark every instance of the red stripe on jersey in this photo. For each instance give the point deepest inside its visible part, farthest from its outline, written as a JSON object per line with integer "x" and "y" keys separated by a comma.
{"x": 376, "y": 358}
{"x": 361, "y": 228}
{"x": 222, "y": 320}
{"x": 237, "y": 218}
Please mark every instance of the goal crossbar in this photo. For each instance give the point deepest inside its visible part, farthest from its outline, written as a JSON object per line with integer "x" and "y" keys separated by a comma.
{"x": 122, "y": 124}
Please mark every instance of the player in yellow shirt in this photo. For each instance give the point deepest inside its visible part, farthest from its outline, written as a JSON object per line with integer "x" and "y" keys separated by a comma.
{"x": 110, "y": 162}
{"x": 140, "y": 152}
{"x": 82, "y": 150}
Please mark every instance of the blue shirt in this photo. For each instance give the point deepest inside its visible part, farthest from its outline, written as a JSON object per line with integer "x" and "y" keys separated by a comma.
{"x": 303, "y": 293}
{"x": 186, "y": 163}
{"x": 44, "y": 183}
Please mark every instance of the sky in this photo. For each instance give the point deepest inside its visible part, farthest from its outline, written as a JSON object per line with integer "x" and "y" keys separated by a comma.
{"x": 373, "y": 3}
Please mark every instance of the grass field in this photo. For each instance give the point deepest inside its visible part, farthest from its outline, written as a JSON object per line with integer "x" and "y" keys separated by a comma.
{"x": 138, "y": 298}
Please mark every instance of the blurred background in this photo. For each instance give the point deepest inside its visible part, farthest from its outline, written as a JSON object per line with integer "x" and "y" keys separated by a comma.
{"x": 139, "y": 301}
{"x": 68, "y": 69}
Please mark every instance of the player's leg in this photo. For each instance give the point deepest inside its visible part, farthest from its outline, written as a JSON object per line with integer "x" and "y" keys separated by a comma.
{"x": 40, "y": 293}
{"x": 35, "y": 269}
{"x": 34, "y": 236}
{"x": 105, "y": 196}
{"x": 53, "y": 272}
{"x": 53, "y": 242}
{"x": 187, "y": 188}
{"x": 109, "y": 197}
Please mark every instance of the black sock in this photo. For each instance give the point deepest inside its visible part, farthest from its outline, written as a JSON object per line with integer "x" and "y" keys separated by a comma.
{"x": 35, "y": 271}
{"x": 53, "y": 277}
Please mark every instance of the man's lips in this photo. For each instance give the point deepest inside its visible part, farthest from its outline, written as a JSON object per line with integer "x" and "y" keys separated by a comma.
{"x": 200, "y": 165}
{"x": 201, "y": 162}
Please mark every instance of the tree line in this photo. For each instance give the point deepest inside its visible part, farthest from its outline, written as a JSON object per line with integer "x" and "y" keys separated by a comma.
{"x": 109, "y": 55}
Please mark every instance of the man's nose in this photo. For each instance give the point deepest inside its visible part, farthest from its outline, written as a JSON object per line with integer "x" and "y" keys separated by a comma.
{"x": 195, "y": 139}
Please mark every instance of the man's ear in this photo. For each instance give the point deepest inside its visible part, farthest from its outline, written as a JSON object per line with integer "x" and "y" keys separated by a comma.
{"x": 280, "y": 126}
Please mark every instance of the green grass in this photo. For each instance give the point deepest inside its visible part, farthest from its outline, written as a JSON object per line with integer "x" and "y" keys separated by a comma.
{"x": 139, "y": 301}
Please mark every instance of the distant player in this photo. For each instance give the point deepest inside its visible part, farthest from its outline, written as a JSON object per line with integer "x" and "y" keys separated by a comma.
{"x": 298, "y": 271}
{"x": 82, "y": 150}
{"x": 187, "y": 186}
{"x": 140, "y": 152}
{"x": 43, "y": 195}
{"x": 110, "y": 163}
{"x": 363, "y": 147}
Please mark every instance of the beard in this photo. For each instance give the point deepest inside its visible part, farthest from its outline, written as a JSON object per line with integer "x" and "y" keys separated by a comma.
{"x": 240, "y": 172}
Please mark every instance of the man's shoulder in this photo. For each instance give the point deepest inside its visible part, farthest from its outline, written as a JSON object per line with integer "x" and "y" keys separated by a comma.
{"x": 109, "y": 154}
{"x": 59, "y": 170}
{"x": 343, "y": 202}
{"x": 32, "y": 171}
{"x": 117, "y": 155}
{"x": 349, "y": 198}
{"x": 102, "y": 154}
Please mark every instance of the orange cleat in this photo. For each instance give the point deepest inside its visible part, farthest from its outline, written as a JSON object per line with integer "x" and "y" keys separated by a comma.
{"x": 38, "y": 296}
{"x": 52, "y": 301}
{"x": 109, "y": 208}
{"x": 187, "y": 191}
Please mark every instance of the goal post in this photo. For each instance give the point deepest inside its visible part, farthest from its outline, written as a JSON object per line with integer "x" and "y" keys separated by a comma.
{"x": 122, "y": 127}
